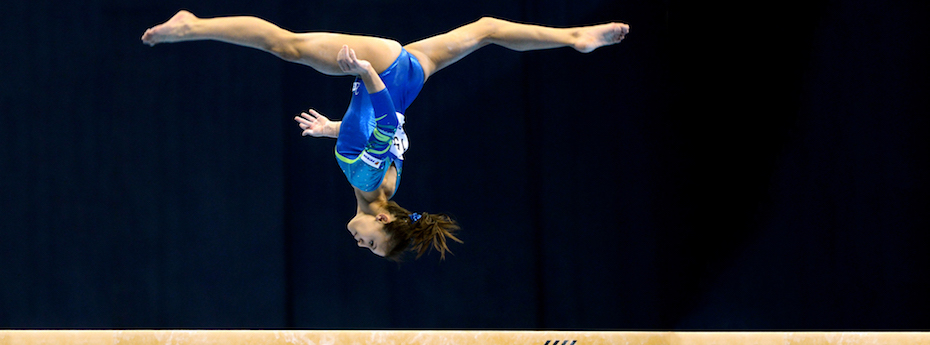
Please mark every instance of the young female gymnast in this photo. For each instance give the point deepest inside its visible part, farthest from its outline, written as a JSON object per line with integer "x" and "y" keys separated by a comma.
{"x": 370, "y": 140}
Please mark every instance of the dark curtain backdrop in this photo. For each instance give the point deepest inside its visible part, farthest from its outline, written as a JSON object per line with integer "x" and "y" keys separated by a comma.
{"x": 755, "y": 165}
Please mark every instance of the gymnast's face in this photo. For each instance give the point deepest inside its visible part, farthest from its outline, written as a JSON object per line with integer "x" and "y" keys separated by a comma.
{"x": 368, "y": 232}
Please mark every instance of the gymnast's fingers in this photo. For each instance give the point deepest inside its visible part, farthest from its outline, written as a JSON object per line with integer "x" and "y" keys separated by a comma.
{"x": 347, "y": 66}
{"x": 352, "y": 56}
{"x": 343, "y": 58}
{"x": 312, "y": 116}
{"x": 303, "y": 121}
{"x": 314, "y": 113}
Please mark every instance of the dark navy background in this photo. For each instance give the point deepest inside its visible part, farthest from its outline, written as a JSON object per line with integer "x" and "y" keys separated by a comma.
{"x": 755, "y": 165}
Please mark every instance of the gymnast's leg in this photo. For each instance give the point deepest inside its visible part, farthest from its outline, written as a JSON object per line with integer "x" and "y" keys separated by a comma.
{"x": 316, "y": 49}
{"x": 442, "y": 50}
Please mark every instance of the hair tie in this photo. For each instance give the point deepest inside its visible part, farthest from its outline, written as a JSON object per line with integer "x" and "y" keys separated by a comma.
{"x": 414, "y": 217}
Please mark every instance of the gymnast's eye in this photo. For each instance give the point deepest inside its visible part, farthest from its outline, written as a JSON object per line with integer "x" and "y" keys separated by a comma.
{"x": 371, "y": 243}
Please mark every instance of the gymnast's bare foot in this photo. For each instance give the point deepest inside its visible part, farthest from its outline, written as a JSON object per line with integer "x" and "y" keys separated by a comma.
{"x": 593, "y": 37}
{"x": 171, "y": 31}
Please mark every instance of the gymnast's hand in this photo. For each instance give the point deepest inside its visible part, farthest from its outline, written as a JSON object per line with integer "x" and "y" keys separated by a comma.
{"x": 350, "y": 64}
{"x": 316, "y": 125}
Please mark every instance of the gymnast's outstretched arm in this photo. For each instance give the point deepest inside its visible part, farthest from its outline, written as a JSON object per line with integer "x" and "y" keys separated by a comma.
{"x": 316, "y": 125}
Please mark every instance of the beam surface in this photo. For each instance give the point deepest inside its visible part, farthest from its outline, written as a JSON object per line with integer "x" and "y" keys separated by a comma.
{"x": 243, "y": 337}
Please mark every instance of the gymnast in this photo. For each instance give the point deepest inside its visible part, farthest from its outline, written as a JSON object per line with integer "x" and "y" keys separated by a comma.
{"x": 370, "y": 140}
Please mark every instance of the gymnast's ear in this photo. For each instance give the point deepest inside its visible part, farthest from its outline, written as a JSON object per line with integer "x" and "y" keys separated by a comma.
{"x": 383, "y": 218}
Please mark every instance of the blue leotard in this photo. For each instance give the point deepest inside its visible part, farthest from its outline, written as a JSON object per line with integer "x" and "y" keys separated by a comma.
{"x": 367, "y": 133}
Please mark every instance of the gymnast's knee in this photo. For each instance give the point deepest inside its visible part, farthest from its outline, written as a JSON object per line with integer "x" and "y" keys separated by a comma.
{"x": 285, "y": 47}
{"x": 488, "y": 24}
{"x": 488, "y": 28}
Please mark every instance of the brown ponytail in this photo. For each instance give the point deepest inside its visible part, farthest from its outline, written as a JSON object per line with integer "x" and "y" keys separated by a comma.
{"x": 430, "y": 231}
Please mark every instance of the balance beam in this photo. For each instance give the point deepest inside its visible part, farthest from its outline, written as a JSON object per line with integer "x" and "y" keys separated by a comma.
{"x": 242, "y": 337}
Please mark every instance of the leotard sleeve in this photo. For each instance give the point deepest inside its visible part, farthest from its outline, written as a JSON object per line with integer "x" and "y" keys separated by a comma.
{"x": 386, "y": 124}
